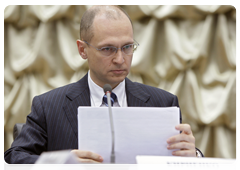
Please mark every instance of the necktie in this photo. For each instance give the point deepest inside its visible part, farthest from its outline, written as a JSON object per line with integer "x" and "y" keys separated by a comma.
{"x": 113, "y": 98}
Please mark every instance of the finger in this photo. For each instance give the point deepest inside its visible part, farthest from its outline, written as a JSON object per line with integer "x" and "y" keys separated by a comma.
{"x": 187, "y": 153}
{"x": 186, "y": 128}
{"x": 181, "y": 138}
{"x": 88, "y": 155}
{"x": 88, "y": 161}
{"x": 181, "y": 145}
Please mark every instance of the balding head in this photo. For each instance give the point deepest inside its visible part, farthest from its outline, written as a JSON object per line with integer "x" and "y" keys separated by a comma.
{"x": 110, "y": 12}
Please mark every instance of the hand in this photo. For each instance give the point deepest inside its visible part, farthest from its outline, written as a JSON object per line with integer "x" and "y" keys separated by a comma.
{"x": 87, "y": 156}
{"x": 184, "y": 141}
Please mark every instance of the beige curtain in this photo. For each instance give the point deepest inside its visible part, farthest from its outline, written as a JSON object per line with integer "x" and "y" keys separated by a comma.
{"x": 187, "y": 50}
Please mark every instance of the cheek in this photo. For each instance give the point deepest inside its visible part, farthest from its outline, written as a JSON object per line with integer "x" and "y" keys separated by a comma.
{"x": 98, "y": 63}
{"x": 129, "y": 61}
{"x": 93, "y": 59}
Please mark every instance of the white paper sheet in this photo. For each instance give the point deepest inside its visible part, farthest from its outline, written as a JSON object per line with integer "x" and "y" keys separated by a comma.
{"x": 138, "y": 131}
{"x": 57, "y": 157}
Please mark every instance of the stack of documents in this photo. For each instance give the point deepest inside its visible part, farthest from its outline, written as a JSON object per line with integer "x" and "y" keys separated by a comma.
{"x": 137, "y": 131}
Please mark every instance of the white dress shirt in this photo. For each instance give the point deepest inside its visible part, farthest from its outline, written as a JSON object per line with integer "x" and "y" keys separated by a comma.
{"x": 97, "y": 93}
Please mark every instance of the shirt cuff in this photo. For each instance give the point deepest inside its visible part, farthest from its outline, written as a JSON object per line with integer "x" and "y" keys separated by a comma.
{"x": 198, "y": 154}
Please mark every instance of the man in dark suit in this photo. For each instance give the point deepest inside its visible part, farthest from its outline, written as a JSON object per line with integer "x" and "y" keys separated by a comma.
{"x": 107, "y": 43}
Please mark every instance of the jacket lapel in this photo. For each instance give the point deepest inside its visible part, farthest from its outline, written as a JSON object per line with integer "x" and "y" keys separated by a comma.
{"x": 135, "y": 95}
{"x": 77, "y": 95}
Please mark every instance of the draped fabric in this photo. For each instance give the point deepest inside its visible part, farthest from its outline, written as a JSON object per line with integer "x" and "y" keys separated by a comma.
{"x": 189, "y": 51}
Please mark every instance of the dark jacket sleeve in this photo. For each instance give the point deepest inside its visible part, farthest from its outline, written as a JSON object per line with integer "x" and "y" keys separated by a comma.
{"x": 32, "y": 140}
{"x": 175, "y": 103}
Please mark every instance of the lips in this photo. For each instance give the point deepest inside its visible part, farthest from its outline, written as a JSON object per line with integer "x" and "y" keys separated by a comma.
{"x": 118, "y": 71}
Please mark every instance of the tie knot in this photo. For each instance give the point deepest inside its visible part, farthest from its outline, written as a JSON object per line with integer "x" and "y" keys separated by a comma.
{"x": 113, "y": 98}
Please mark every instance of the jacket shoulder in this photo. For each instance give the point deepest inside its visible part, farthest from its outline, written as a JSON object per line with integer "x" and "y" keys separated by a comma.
{"x": 158, "y": 97}
{"x": 57, "y": 91}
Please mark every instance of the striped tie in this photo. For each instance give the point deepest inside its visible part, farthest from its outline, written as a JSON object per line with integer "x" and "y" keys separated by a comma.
{"x": 113, "y": 98}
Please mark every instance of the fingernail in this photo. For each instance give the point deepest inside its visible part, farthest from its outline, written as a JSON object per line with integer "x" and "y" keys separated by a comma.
{"x": 168, "y": 146}
{"x": 177, "y": 127}
{"x": 100, "y": 158}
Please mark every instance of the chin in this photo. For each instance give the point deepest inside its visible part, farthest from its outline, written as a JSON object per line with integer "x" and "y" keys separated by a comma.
{"x": 115, "y": 81}
{"x": 119, "y": 78}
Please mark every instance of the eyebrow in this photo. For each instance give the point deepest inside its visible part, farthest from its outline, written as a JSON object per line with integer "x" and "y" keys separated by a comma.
{"x": 111, "y": 45}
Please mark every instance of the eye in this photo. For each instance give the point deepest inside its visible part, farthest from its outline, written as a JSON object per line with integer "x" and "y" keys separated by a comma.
{"x": 105, "y": 49}
{"x": 128, "y": 46}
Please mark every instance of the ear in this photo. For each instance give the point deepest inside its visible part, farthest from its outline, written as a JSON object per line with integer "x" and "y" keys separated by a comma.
{"x": 82, "y": 49}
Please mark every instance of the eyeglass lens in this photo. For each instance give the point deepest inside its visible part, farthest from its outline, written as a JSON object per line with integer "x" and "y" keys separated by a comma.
{"x": 127, "y": 49}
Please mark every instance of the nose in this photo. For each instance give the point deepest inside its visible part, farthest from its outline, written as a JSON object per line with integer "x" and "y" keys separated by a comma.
{"x": 119, "y": 57}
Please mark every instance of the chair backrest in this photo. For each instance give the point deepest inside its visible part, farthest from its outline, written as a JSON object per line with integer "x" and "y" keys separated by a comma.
{"x": 17, "y": 129}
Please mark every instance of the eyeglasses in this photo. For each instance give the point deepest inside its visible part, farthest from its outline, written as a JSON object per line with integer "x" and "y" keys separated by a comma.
{"x": 109, "y": 51}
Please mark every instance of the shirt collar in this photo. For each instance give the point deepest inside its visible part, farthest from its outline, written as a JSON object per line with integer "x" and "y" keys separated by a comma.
{"x": 96, "y": 92}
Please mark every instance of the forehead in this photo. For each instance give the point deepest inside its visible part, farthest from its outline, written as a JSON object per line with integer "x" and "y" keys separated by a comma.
{"x": 112, "y": 28}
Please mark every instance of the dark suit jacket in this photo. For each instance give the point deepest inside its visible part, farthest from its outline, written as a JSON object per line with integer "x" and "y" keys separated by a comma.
{"x": 52, "y": 123}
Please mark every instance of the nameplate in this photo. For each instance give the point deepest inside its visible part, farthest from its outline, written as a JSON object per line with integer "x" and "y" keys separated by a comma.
{"x": 184, "y": 163}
